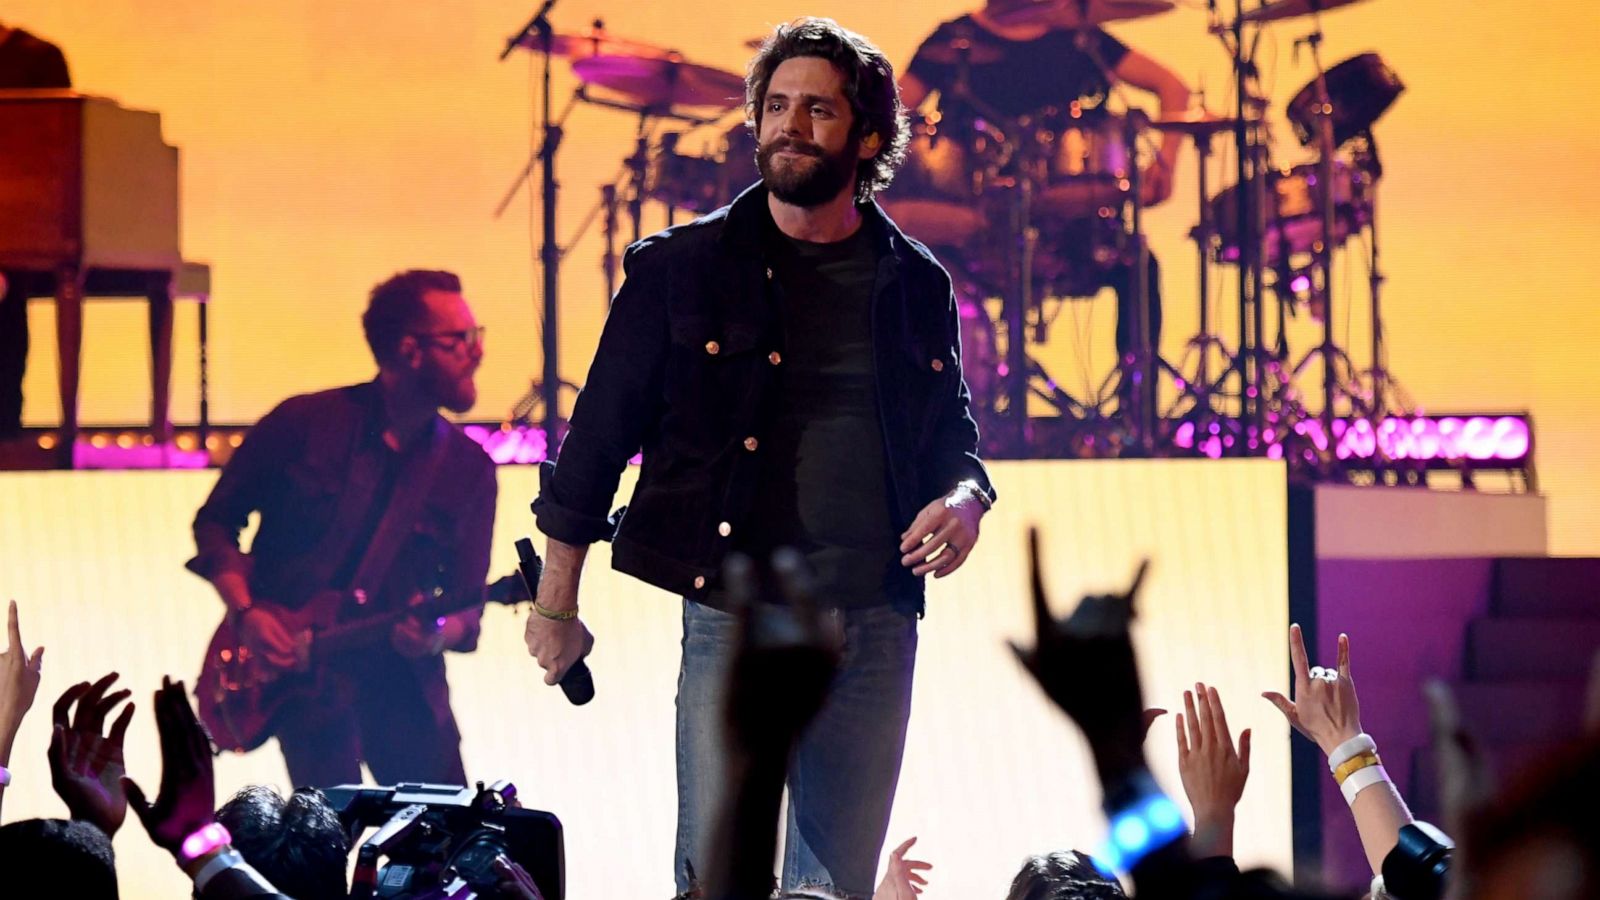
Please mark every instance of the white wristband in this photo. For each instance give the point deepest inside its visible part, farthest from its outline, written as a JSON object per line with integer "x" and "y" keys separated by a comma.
{"x": 1360, "y": 780}
{"x": 5, "y": 776}
{"x": 1361, "y": 743}
{"x": 220, "y": 863}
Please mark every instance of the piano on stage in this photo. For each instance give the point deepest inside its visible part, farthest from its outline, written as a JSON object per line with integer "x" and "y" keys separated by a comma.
{"x": 89, "y": 207}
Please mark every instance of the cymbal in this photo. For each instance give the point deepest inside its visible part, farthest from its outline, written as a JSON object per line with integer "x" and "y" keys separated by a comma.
{"x": 1072, "y": 13}
{"x": 594, "y": 42}
{"x": 1197, "y": 123}
{"x": 660, "y": 83}
{"x": 1288, "y": 9}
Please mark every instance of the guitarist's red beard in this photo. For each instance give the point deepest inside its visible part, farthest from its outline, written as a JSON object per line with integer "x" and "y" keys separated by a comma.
{"x": 451, "y": 387}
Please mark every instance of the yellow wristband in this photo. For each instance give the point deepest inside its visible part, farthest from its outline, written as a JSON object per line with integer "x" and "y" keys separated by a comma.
{"x": 1355, "y": 764}
{"x": 553, "y": 615}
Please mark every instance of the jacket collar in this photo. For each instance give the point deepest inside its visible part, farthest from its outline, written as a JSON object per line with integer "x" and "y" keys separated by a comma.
{"x": 747, "y": 218}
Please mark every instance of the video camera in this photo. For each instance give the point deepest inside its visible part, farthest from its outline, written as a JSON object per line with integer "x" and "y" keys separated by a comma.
{"x": 442, "y": 840}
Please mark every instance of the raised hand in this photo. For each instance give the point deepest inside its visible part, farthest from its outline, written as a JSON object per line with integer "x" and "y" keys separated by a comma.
{"x": 19, "y": 682}
{"x": 86, "y": 767}
{"x": 1324, "y": 707}
{"x": 787, "y": 657}
{"x": 1213, "y": 770}
{"x": 1085, "y": 663}
{"x": 901, "y": 881}
{"x": 187, "y": 798}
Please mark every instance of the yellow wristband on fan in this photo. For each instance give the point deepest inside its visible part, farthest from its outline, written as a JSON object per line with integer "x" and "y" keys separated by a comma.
{"x": 1355, "y": 764}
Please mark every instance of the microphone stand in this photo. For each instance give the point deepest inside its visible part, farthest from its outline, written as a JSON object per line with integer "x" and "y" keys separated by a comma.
{"x": 549, "y": 386}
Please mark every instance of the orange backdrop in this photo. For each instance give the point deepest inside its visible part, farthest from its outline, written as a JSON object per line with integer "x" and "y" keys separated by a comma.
{"x": 327, "y": 144}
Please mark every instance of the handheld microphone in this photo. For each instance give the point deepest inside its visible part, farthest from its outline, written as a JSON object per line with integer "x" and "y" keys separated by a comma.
{"x": 578, "y": 683}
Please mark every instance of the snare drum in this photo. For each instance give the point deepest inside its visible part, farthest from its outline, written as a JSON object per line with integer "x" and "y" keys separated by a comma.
{"x": 1293, "y": 211}
{"x": 936, "y": 196}
{"x": 1081, "y": 161}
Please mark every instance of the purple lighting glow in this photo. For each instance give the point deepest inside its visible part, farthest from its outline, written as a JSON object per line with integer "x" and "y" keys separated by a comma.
{"x": 1441, "y": 439}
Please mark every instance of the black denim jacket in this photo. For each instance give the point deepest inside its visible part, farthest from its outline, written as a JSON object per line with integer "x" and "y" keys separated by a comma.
{"x": 684, "y": 372}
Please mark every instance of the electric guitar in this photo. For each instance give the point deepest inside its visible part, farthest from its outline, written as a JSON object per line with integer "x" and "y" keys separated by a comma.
{"x": 239, "y": 695}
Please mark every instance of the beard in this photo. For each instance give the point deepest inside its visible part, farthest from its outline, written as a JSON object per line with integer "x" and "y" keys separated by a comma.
{"x": 812, "y": 179}
{"x": 454, "y": 391}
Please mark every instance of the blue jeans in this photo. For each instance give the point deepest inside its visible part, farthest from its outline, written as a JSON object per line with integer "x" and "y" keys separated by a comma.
{"x": 842, "y": 778}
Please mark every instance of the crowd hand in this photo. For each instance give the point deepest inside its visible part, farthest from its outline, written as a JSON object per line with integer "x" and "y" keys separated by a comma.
{"x": 86, "y": 767}
{"x": 1085, "y": 664}
{"x": 515, "y": 880}
{"x": 943, "y": 534}
{"x": 1213, "y": 770}
{"x": 786, "y": 658}
{"x": 901, "y": 881}
{"x": 1591, "y": 702}
{"x": 20, "y": 673}
{"x": 1324, "y": 707}
{"x": 1464, "y": 780}
{"x": 188, "y": 791}
{"x": 264, "y": 633}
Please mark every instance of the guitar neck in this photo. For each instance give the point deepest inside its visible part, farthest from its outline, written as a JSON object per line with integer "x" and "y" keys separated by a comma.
{"x": 345, "y": 636}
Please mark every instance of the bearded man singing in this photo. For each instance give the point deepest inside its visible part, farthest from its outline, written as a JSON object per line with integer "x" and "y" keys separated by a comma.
{"x": 790, "y": 367}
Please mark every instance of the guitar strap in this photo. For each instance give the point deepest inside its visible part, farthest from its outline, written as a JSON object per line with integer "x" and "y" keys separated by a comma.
{"x": 400, "y": 516}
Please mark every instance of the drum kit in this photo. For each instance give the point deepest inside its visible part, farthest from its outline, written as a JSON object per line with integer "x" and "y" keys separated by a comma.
{"x": 1032, "y": 211}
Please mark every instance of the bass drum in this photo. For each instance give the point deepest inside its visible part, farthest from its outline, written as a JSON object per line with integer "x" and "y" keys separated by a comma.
{"x": 937, "y": 196}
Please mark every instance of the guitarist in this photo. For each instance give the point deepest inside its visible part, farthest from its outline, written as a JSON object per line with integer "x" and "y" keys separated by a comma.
{"x": 365, "y": 488}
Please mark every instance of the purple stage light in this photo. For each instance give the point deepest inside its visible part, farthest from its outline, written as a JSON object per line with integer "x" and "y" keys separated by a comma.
{"x": 1490, "y": 441}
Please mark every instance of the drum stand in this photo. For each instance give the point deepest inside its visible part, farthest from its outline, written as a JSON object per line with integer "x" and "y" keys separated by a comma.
{"x": 1333, "y": 357}
{"x": 1329, "y": 351}
{"x": 1136, "y": 369}
{"x": 1197, "y": 385}
{"x": 1022, "y": 376}
{"x": 1384, "y": 393}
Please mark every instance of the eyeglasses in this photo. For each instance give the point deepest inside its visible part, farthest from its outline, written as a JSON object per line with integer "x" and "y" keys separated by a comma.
{"x": 471, "y": 338}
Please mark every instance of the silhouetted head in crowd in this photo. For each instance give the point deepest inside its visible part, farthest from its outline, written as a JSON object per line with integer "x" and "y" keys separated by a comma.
{"x": 1063, "y": 875}
{"x": 298, "y": 843}
{"x": 73, "y": 857}
{"x": 1539, "y": 837}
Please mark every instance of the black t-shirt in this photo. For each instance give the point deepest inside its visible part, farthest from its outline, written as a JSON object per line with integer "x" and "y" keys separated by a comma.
{"x": 29, "y": 62}
{"x": 1048, "y": 71}
{"x": 824, "y": 485}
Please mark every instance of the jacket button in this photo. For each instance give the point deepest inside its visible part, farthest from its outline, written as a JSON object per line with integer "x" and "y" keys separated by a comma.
{"x": 774, "y": 357}
{"x": 751, "y": 444}
{"x": 713, "y": 348}
{"x": 769, "y": 273}
{"x": 724, "y": 529}
{"x": 699, "y": 582}
{"x": 938, "y": 365}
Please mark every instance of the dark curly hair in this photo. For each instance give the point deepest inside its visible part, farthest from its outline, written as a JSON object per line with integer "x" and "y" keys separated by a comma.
{"x": 297, "y": 843}
{"x": 869, "y": 85}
